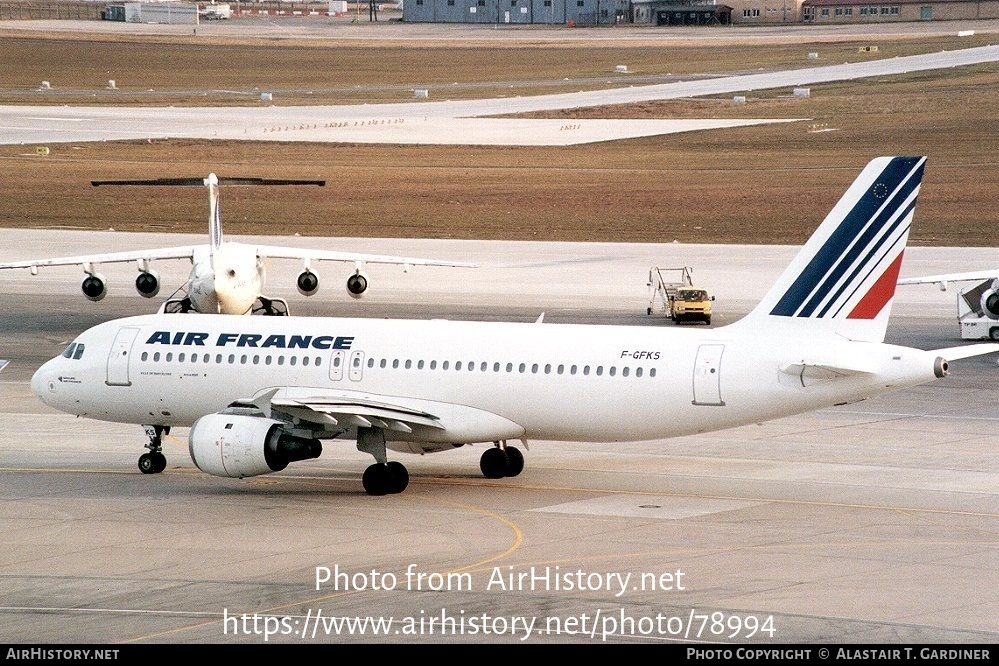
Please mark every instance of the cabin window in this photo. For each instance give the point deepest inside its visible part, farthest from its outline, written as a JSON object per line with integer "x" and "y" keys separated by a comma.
{"x": 280, "y": 360}
{"x": 548, "y": 368}
{"x": 409, "y": 364}
{"x": 624, "y": 371}
{"x": 509, "y": 367}
{"x": 600, "y": 370}
{"x": 395, "y": 364}
{"x": 156, "y": 357}
{"x": 305, "y": 360}
{"x": 293, "y": 360}
{"x": 433, "y": 365}
{"x": 638, "y": 372}
{"x": 534, "y": 369}
{"x": 181, "y": 357}
{"x": 419, "y": 364}
{"x": 652, "y": 372}
{"x": 445, "y": 365}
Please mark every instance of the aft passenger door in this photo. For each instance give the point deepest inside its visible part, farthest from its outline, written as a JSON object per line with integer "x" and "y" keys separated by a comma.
{"x": 707, "y": 375}
{"x": 118, "y": 357}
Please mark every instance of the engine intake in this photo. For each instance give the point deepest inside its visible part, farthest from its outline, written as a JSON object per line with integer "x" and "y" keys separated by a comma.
{"x": 357, "y": 284}
{"x": 147, "y": 283}
{"x": 307, "y": 283}
{"x": 238, "y": 446}
{"x": 94, "y": 287}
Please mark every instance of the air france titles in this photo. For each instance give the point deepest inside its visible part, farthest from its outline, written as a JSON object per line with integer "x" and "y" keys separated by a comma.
{"x": 250, "y": 340}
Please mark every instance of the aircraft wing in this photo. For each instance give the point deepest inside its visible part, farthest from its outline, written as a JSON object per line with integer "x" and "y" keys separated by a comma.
{"x": 952, "y": 277}
{"x": 187, "y": 252}
{"x": 278, "y": 252}
{"x": 410, "y": 419}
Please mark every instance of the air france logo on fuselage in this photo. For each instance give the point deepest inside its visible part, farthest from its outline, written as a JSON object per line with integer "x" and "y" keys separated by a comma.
{"x": 252, "y": 340}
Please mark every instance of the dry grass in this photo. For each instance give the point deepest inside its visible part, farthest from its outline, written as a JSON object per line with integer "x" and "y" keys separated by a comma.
{"x": 770, "y": 184}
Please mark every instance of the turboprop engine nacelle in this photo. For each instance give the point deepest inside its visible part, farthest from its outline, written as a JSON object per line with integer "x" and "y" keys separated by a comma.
{"x": 147, "y": 283}
{"x": 94, "y": 287}
{"x": 307, "y": 282}
{"x": 357, "y": 284}
{"x": 238, "y": 446}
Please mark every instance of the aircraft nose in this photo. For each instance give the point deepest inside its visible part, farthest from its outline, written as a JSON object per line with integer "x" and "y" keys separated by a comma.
{"x": 40, "y": 381}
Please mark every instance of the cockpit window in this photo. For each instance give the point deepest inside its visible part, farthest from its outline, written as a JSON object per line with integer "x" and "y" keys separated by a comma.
{"x": 74, "y": 351}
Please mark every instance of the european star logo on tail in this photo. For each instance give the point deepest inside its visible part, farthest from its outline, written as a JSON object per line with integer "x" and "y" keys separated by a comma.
{"x": 844, "y": 277}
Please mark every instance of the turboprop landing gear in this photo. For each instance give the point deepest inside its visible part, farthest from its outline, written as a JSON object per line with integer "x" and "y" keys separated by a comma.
{"x": 383, "y": 477}
{"x": 154, "y": 462}
{"x": 500, "y": 461}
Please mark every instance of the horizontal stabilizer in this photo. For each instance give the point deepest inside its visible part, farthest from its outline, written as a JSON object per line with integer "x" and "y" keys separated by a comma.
{"x": 201, "y": 182}
{"x": 967, "y": 351}
{"x": 815, "y": 369}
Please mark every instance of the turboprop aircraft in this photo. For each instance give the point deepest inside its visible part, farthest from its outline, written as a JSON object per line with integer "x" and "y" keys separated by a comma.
{"x": 226, "y": 277}
{"x": 261, "y": 392}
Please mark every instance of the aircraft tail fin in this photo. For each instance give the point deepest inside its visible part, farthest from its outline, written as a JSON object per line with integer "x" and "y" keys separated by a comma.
{"x": 843, "y": 279}
{"x": 214, "y": 212}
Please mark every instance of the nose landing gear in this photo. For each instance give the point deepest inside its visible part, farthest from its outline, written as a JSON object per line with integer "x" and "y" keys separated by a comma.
{"x": 154, "y": 462}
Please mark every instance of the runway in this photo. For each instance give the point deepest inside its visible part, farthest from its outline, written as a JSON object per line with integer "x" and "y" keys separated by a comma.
{"x": 875, "y": 522}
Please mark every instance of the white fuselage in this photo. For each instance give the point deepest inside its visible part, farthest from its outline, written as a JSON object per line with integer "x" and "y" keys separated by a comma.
{"x": 557, "y": 382}
{"x": 226, "y": 280}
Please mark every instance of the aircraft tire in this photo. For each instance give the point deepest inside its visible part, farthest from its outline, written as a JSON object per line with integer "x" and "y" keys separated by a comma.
{"x": 494, "y": 463}
{"x": 515, "y": 461}
{"x": 147, "y": 464}
{"x": 377, "y": 480}
{"x": 398, "y": 476}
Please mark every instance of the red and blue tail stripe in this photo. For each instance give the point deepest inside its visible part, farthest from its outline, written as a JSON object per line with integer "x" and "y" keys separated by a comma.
{"x": 853, "y": 272}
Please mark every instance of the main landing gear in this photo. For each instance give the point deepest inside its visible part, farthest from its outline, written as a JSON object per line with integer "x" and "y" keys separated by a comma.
{"x": 383, "y": 477}
{"x": 502, "y": 460}
{"x": 154, "y": 462}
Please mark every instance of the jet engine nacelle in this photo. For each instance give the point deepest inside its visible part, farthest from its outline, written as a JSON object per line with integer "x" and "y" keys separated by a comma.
{"x": 147, "y": 283}
{"x": 238, "y": 446}
{"x": 357, "y": 284}
{"x": 990, "y": 301}
{"x": 307, "y": 283}
{"x": 94, "y": 287}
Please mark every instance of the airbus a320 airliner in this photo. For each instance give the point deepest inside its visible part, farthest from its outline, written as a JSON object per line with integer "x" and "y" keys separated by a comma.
{"x": 261, "y": 392}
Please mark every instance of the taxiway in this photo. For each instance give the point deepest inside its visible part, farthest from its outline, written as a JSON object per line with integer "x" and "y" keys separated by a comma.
{"x": 872, "y": 522}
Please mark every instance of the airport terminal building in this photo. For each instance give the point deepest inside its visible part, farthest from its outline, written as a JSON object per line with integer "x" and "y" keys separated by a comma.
{"x": 693, "y": 12}
{"x": 558, "y": 12}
